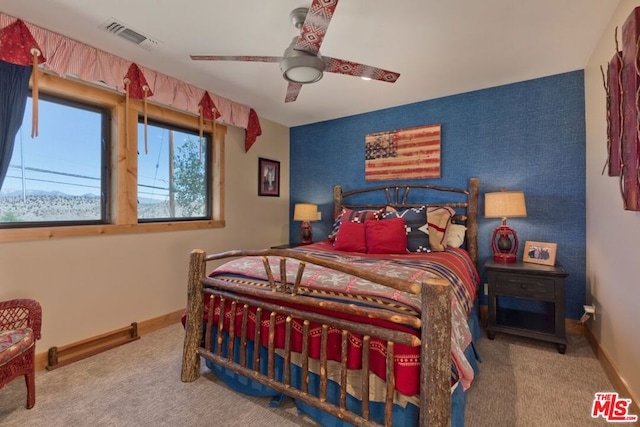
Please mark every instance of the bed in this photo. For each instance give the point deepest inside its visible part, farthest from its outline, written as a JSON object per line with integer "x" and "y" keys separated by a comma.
{"x": 380, "y": 334}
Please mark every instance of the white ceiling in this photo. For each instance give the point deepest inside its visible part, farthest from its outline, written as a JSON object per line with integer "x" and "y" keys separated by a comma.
{"x": 440, "y": 47}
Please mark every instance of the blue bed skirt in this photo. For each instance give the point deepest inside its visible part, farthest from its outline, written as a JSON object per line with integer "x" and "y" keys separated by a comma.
{"x": 404, "y": 416}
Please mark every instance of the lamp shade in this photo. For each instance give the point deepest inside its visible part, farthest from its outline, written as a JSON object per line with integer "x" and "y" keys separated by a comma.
{"x": 305, "y": 212}
{"x": 504, "y": 204}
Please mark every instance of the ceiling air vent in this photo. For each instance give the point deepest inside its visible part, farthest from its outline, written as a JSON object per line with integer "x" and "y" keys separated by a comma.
{"x": 122, "y": 30}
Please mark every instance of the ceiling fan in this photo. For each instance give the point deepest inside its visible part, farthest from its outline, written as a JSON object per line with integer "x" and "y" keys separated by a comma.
{"x": 301, "y": 63}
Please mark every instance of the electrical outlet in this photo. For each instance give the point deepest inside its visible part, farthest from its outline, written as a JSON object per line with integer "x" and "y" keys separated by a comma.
{"x": 590, "y": 309}
{"x": 486, "y": 289}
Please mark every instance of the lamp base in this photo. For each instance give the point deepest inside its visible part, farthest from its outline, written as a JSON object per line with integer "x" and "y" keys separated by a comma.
{"x": 502, "y": 257}
{"x": 306, "y": 233}
{"x": 504, "y": 243}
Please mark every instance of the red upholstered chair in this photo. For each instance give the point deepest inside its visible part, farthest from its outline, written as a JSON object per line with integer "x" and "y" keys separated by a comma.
{"x": 20, "y": 323}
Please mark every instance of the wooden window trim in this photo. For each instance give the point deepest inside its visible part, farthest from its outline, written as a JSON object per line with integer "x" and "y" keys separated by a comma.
{"x": 124, "y": 165}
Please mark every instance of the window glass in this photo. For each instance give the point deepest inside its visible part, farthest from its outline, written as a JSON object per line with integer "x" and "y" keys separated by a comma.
{"x": 60, "y": 177}
{"x": 173, "y": 174}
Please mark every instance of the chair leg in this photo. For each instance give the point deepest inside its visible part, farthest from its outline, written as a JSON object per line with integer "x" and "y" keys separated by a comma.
{"x": 30, "y": 381}
{"x": 30, "y": 377}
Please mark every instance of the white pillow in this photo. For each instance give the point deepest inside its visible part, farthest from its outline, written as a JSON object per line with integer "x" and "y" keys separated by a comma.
{"x": 455, "y": 235}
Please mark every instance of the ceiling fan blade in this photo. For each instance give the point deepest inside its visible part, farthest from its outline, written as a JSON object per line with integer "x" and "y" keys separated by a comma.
{"x": 340, "y": 66}
{"x": 292, "y": 92}
{"x": 236, "y": 58}
{"x": 315, "y": 25}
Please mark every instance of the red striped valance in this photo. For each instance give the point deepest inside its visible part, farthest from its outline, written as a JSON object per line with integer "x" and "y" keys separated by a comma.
{"x": 67, "y": 57}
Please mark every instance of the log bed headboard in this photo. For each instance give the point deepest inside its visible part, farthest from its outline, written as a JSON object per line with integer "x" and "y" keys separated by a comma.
{"x": 402, "y": 196}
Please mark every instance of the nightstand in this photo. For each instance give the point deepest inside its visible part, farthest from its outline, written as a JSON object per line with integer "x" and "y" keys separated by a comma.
{"x": 533, "y": 282}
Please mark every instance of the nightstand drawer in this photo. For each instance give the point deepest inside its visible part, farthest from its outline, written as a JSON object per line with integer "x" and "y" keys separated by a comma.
{"x": 519, "y": 286}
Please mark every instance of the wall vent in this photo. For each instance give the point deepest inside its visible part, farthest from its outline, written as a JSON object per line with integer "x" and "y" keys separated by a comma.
{"x": 122, "y": 30}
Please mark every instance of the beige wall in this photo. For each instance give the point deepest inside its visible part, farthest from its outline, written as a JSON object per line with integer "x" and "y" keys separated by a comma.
{"x": 613, "y": 234}
{"x": 91, "y": 285}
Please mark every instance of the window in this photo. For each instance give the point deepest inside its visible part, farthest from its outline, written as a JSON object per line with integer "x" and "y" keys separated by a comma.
{"x": 173, "y": 176}
{"x": 82, "y": 177}
{"x": 60, "y": 177}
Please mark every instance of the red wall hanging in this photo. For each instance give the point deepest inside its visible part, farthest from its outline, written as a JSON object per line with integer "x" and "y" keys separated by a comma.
{"x": 622, "y": 85}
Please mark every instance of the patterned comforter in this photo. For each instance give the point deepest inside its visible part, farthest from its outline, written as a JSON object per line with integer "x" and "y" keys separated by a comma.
{"x": 453, "y": 265}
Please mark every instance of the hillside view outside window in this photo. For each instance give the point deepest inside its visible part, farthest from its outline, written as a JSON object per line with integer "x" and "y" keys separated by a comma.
{"x": 173, "y": 178}
{"x": 60, "y": 177}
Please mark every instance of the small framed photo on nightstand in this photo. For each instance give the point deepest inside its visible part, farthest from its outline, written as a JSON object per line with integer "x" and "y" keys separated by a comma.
{"x": 540, "y": 253}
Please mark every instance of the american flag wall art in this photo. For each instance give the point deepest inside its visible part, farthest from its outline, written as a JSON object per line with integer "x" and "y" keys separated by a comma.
{"x": 412, "y": 153}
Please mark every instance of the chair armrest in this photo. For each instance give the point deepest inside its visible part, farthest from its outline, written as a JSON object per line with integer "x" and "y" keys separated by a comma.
{"x": 21, "y": 313}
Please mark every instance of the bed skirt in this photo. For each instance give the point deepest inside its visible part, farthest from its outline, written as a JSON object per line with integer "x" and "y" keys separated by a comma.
{"x": 404, "y": 415}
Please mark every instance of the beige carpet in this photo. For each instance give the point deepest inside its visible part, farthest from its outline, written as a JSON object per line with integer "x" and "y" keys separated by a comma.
{"x": 522, "y": 383}
{"x": 525, "y": 383}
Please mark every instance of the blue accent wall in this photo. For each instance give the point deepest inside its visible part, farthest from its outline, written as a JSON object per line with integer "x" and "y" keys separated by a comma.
{"x": 527, "y": 136}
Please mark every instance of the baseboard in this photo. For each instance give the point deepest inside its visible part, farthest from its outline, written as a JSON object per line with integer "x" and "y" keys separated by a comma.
{"x": 574, "y": 327}
{"x": 144, "y": 327}
{"x": 484, "y": 315}
{"x": 612, "y": 373}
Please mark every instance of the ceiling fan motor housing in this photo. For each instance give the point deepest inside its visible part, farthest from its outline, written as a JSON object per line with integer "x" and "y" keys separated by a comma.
{"x": 298, "y": 66}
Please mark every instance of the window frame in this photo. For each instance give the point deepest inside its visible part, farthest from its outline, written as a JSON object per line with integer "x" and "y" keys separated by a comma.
{"x": 209, "y": 189}
{"x": 105, "y": 115}
{"x": 123, "y": 169}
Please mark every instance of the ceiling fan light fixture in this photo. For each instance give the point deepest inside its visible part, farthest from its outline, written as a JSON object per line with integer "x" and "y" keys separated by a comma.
{"x": 298, "y": 66}
{"x": 302, "y": 69}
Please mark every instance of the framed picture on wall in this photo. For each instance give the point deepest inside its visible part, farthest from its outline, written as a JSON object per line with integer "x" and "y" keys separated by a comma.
{"x": 540, "y": 253}
{"x": 268, "y": 177}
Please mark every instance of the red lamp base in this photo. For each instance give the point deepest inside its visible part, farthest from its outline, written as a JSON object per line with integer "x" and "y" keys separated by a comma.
{"x": 502, "y": 257}
{"x": 306, "y": 233}
{"x": 504, "y": 244}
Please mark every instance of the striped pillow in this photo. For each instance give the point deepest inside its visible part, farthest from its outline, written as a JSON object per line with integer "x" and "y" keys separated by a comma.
{"x": 438, "y": 219}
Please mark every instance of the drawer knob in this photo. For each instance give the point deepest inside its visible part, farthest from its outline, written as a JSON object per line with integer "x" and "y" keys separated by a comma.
{"x": 523, "y": 286}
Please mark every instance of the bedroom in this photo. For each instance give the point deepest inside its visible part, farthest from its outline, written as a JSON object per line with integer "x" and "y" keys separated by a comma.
{"x": 604, "y": 271}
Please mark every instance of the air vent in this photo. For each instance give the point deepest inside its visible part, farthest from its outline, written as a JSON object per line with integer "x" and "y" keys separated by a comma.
{"x": 124, "y": 31}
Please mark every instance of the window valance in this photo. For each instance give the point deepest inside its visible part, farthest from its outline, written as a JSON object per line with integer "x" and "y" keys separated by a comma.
{"x": 67, "y": 57}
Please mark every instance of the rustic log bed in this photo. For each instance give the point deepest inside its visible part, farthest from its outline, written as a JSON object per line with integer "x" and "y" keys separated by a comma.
{"x": 284, "y": 295}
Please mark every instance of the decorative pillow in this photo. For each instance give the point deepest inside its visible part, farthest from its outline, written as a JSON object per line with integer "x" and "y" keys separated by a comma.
{"x": 350, "y": 215}
{"x": 386, "y": 237}
{"x": 439, "y": 219}
{"x": 455, "y": 235}
{"x": 351, "y": 237}
{"x": 417, "y": 232}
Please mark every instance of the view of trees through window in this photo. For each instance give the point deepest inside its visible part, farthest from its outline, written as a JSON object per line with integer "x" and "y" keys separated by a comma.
{"x": 60, "y": 176}
{"x": 172, "y": 174}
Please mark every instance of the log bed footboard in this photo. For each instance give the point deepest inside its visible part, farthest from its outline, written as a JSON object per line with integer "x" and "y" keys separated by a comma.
{"x": 434, "y": 340}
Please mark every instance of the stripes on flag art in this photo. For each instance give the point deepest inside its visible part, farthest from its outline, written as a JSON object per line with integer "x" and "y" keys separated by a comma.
{"x": 412, "y": 153}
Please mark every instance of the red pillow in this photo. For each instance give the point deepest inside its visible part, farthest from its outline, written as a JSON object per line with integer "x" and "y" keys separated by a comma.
{"x": 386, "y": 237}
{"x": 350, "y": 237}
{"x": 352, "y": 215}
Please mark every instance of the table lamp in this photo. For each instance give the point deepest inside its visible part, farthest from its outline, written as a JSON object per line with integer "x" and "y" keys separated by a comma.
{"x": 305, "y": 212}
{"x": 503, "y": 204}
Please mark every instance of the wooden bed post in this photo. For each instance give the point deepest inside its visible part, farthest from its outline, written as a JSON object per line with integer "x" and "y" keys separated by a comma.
{"x": 195, "y": 312}
{"x": 337, "y": 200}
{"x": 472, "y": 223}
{"x": 435, "y": 375}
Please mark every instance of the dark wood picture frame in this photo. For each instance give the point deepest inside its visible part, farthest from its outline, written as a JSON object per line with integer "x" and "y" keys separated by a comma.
{"x": 268, "y": 177}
